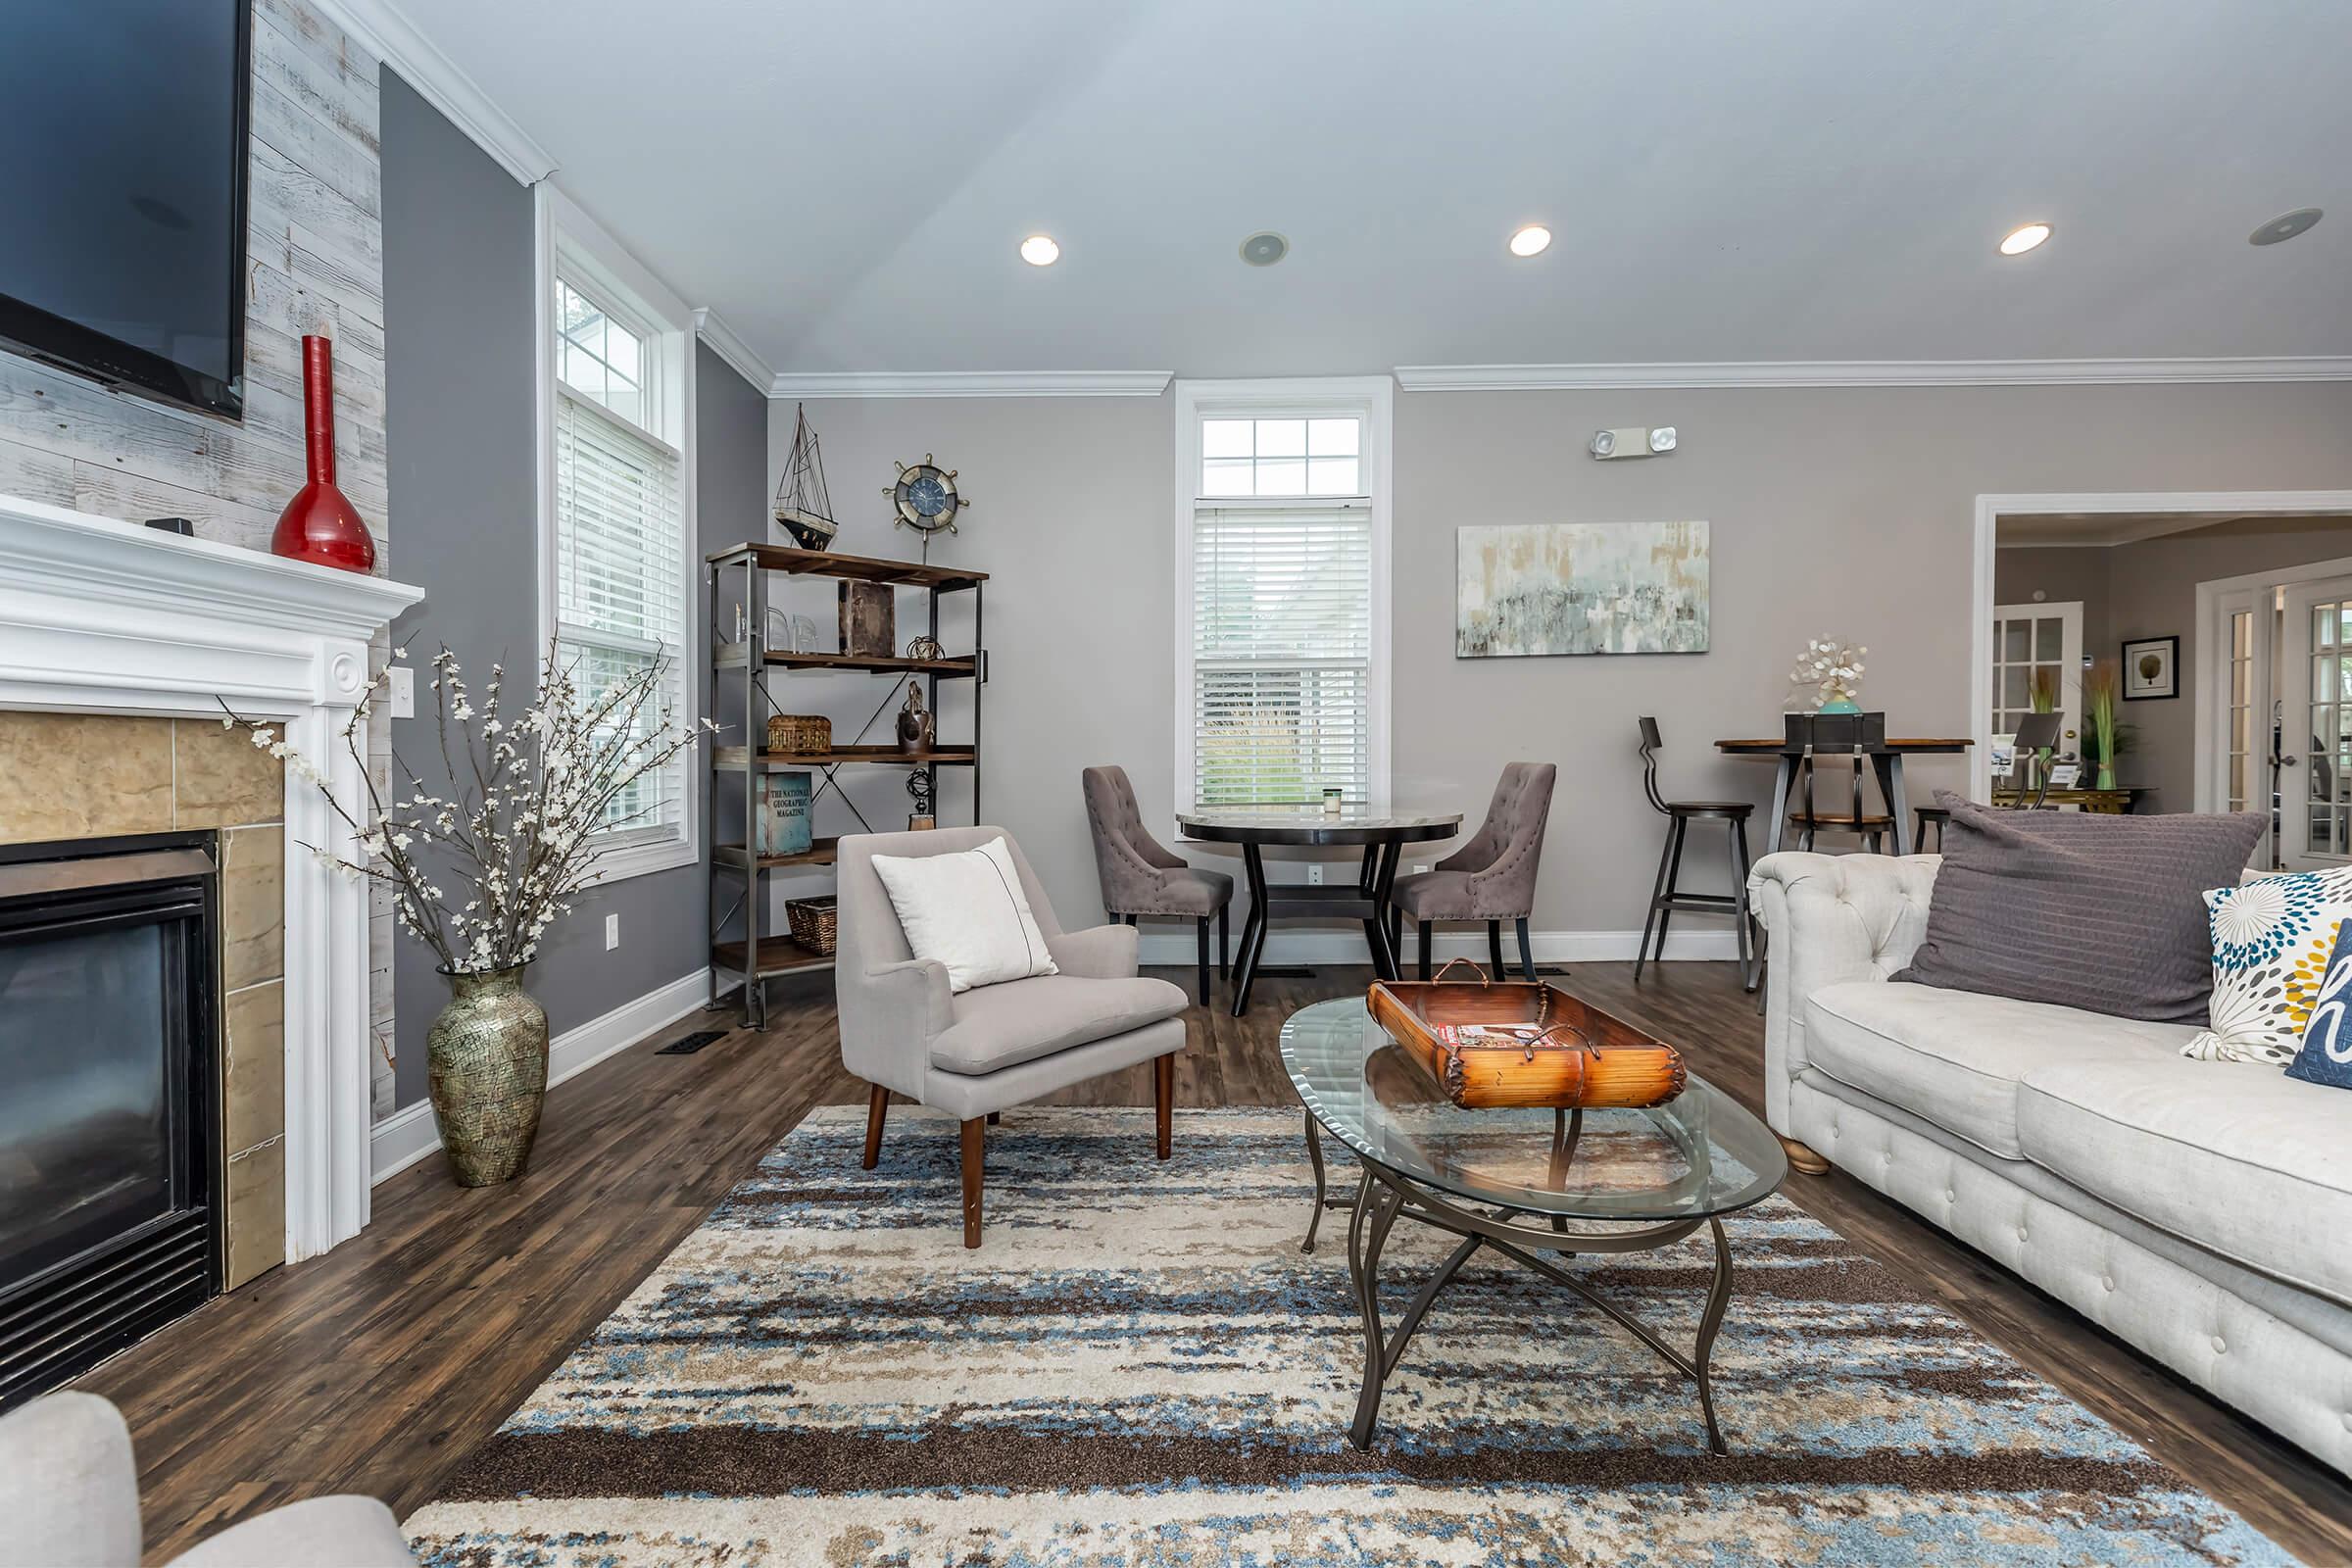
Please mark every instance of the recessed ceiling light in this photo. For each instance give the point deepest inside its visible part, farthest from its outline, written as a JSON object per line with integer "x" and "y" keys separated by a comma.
{"x": 1531, "y": 240}
{"x": 2019, "y": 240}
{"x": 1264, "y": 248}
{"x": 1038, "y": 250}
{"x": 2287, "y": 225}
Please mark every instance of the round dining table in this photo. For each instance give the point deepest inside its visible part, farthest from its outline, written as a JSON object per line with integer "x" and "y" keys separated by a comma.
{"x": 1382, "y": 837}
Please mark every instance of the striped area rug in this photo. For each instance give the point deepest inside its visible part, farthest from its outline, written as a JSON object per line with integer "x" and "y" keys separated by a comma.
{"x": 1139, "y": 1367}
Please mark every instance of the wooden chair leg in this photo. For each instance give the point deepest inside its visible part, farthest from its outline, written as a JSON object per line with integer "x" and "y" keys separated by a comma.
{"x": 1163, "y": 1098}
{"x": 878, "y": 1105}
{"x": 995, "y": 1116}
{"x": 1224, "y": 941}
{"x": 1494, "y": 949}
{"x": 976, "y": 1134}
{"x": 1421, "y": 929}
{"x": 1527, "y": 951}
{"x": 1203, "y": 933}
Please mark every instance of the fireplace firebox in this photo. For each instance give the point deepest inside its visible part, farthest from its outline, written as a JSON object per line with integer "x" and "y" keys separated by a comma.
{"x": 109, "y": 1132}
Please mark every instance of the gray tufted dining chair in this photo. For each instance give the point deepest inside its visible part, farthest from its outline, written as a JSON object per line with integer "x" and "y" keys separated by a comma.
{"x": 1491, "y": 878}
{"x": 1140, "y": 876}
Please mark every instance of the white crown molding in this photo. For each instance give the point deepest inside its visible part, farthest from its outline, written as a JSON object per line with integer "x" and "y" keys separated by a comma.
{"x": 972, "y": 384}
{"x": 728, "y": 345}
{"x": 1862, "y": 373}
{"x": 379, "y": 27}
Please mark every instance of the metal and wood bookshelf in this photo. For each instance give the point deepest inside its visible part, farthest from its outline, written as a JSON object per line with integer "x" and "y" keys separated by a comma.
{"x": 762, "y": 955}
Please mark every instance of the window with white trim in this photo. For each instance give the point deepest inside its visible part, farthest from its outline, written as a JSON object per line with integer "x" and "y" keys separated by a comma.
{"x": 1283, "y": 634}
{"x": 617, "y": 531}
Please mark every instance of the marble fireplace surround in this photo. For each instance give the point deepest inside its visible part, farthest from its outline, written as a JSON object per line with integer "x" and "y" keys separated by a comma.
{"x": 100, "y": 617}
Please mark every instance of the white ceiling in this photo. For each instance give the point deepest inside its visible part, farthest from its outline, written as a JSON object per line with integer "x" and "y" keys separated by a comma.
{"x": 1727, "y": 180}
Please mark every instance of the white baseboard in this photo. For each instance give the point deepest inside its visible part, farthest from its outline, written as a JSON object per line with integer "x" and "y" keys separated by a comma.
{"x": 1168, "y": 941}
{"x": 408, "y": 1134}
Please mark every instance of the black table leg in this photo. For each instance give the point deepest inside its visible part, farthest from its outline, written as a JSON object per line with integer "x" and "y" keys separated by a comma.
{"x": 1888, "y": 765}
{"x": 1785, "y": 776}
{"x": 1253, "y": 934}
{"x": 1382, "y": 858}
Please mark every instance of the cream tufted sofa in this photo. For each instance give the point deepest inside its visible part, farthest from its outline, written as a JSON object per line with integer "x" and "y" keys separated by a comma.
{"x": 2200, "y": 1211}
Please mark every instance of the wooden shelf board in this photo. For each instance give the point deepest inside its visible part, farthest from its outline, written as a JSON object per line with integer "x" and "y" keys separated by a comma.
{"x": 730, "y": 656}
{"x": 855, "y": 568}
{"x": 735, "y": 757}
{"x": 777, "y": 956}
{"x": 822, "y": 852}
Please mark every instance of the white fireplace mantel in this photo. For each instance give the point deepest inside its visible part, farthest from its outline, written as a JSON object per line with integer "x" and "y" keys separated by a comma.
{"x": 99, "y": 616}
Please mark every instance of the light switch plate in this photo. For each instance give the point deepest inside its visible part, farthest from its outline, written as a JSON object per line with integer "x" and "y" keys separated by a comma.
{"x": 612, "y": 932}
{"x": 402, "y": 690}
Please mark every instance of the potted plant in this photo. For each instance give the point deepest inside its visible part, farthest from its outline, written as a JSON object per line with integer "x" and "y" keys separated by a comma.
{"x": 1832, "y": 673}
{"x": 526, "y": 797}
{"x": 2102, "y": 689}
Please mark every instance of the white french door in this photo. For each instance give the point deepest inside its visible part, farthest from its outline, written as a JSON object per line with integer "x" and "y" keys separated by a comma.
{"x": 2242, "y": 700}
{"x": 2315, "y": 725}
{"x": 2038, "y": 647}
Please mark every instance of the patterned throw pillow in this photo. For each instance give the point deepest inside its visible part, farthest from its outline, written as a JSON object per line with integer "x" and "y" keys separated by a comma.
{"x": 2327, "y": 1054}
{"x": 2271, "y": 937}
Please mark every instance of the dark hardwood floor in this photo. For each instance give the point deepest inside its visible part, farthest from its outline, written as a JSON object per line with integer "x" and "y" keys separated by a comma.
{"x": 376, "y": 1368}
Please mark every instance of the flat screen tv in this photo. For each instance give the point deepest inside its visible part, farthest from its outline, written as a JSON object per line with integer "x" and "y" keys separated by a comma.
{"x": 122, "y": 192}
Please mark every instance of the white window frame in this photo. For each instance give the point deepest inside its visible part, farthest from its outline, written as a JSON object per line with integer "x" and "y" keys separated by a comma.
{"x": 572, "y": 245}
{"x": 1370, "y": 399}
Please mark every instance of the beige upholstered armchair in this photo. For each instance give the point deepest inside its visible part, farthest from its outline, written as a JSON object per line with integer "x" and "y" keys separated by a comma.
{"x": 976, "y": 1053}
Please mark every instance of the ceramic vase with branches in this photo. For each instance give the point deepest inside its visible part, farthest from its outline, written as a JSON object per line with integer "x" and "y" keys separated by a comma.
{"x": 514, "y": 823}
{"x": 1828, "y": 673}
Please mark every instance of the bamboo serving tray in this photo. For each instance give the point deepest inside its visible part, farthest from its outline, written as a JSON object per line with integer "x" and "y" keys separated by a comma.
{"x": 1491, "y": 1043}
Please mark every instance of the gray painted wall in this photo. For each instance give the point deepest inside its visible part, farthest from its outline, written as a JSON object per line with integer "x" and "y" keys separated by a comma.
{"x": 1835, "y": 512}
{"x": 458, "y": 281}
{"x": 2149, "y": 589}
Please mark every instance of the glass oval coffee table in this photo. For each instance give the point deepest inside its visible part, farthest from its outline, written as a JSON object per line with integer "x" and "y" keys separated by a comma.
{"x": 1523, "y": 1183}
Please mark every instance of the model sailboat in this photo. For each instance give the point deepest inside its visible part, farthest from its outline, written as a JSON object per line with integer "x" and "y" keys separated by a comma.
{"x": 802, "y": 504}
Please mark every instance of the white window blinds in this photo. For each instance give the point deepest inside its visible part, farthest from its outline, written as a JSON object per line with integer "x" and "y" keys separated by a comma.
{"x": 1282, "y": 653}
{"x": 621, "y": 590}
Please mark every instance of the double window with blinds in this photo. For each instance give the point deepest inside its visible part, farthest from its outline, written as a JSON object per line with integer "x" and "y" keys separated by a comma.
{"x": 1283, "y": 572}
{"x": 619, "y": 531}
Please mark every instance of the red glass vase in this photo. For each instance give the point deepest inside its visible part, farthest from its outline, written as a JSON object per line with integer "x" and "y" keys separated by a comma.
{"x": 320, "y": 523}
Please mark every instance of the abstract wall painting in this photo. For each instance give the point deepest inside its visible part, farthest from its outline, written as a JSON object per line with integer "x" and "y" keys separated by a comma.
{"x": 1536, "y": 589}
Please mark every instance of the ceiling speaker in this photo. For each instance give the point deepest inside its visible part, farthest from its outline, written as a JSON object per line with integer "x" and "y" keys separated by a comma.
{"x": 1264, "y": 249}
{"x": 2287, "y": 225}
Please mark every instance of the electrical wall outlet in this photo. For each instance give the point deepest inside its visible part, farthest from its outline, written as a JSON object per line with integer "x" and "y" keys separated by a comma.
{"x": 1314, "y": 874}
{"x": 612, "y": 932}
{"x": 402, "y": 688}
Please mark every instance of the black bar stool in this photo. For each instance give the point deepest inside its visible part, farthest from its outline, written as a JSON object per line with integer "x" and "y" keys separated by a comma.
{"x": 1852, "y": 736}
{"x": 1930, "y": 817}
{"x": 1667, "y": 896}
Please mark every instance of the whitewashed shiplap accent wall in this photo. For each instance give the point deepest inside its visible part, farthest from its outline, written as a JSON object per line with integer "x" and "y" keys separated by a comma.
{"x": 313, "y": 264}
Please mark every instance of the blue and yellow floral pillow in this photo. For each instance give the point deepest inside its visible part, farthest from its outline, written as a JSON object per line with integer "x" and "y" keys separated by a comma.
{"x": 2327, "y": 1054}
{"x": 2272, "y": 939}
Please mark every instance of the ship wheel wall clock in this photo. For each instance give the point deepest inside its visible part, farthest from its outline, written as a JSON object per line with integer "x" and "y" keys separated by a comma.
{"x": 926, "y": 499}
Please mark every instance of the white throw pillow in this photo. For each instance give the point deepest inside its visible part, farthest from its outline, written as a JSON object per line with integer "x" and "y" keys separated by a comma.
{"x": 967, "y": 911}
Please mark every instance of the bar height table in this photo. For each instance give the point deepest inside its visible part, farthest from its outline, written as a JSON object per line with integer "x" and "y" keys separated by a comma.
{"x": 1383, "y": 839}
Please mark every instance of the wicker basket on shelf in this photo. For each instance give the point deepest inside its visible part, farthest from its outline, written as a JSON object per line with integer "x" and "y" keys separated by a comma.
{"x": 815, "y": 922}
{"x": 799, "y": 734}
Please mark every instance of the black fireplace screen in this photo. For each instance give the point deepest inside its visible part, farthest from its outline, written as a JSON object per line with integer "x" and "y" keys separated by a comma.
{"x": 108, "y": 1104}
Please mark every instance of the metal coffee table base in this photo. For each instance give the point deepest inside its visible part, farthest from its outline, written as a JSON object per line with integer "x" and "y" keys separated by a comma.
{"x": 1381, "y": 1198}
